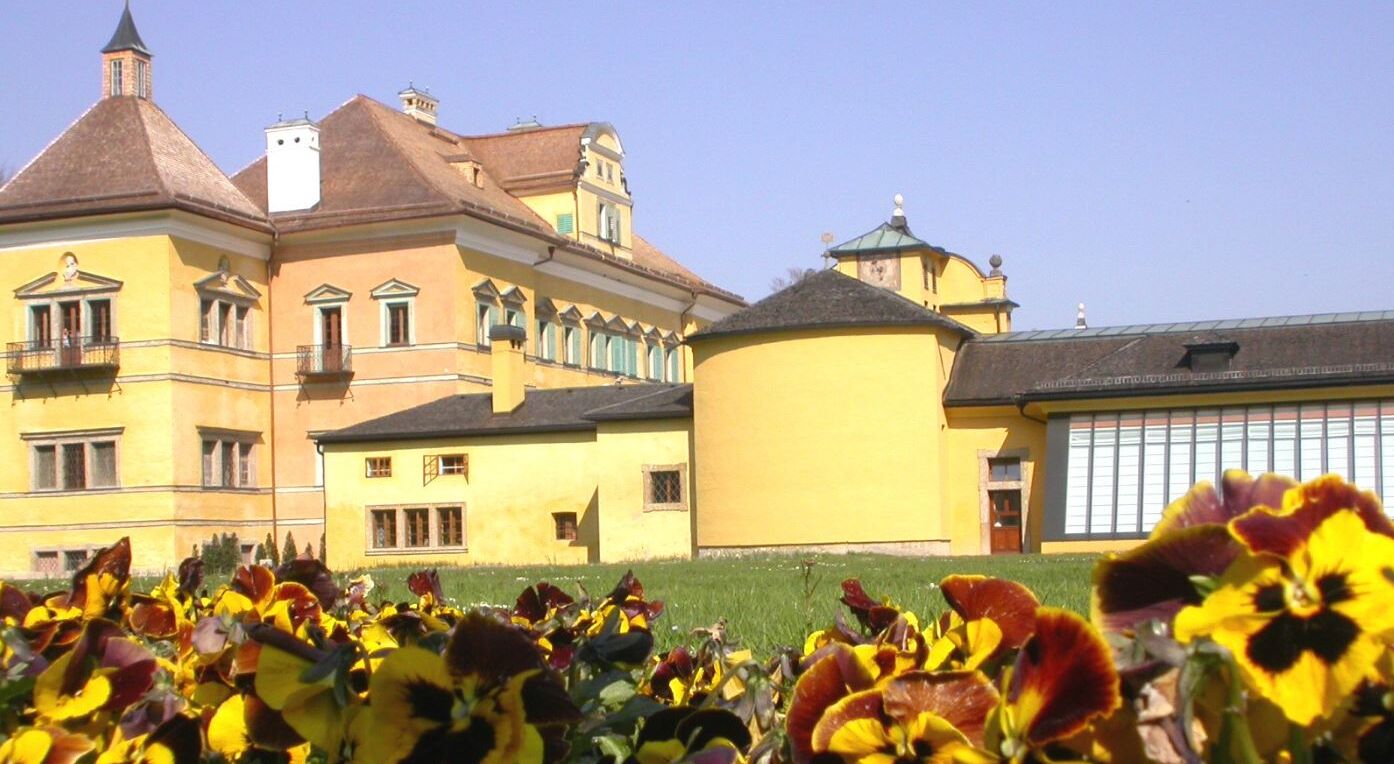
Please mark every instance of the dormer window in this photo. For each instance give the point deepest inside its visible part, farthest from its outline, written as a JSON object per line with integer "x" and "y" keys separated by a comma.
{"x": 1209, "y": 356}
{"x": 608, "y": 227}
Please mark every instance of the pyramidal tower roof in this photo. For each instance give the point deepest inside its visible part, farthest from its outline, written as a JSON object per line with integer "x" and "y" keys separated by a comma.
{"x": 126, "y": 36}
{"x": 124, "y": 155}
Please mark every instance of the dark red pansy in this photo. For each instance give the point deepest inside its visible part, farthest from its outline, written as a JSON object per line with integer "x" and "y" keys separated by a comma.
{"x": 1065, "y": 675}
{"x": 1153, "y": 581}
{"x": 546, "y": 703}
{"x": 114, "y": 561}
{"x": 1238, "y": 493}
{"x": 266, "y": 728}
{"x": 490, "y": 649}
{"x": 962, "y": 698}
{"x": 151, "y": 618}
{"x": 677, "y": 664}
{"x": 313, "y": 575}
{"x": 190, "y": 576}
{"x": 14, "y": 603}
{"x": 1274, "y": 531}
{"x": 627, "y": 587}
{"x": 536, "y": 601}
{"x": 826, "y": 681}
{"x": 694, "y": 727}
{"x": 424, "y": 582}
{"x": 872, "y": 614}
{"x": 1008, "y": 604}
{"x": 254, "y": 582}
{"x": 180, "y": 736}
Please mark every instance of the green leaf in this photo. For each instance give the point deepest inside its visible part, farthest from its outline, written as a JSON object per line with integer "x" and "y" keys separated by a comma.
{"x": 1205, "y": 585}
{"x": 19, "y": 689}
{"x": 616, "y": 693}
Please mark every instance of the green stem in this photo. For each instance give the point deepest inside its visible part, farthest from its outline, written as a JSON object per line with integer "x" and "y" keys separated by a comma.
{"x": 1235, "y": 737}
{"x": 1297, "y": 745}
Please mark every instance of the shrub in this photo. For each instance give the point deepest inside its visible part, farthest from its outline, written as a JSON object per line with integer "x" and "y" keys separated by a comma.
{"x": 222, "y": 553}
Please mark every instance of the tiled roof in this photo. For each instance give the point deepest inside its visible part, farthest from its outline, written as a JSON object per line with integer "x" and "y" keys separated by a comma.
{"x": 552, "y": 410}
{"x": 124, "y": 154}
{"x": 829, "y": 299}
{"x": 1294, "y": 352}
{"x": 531, "y": 160}
{"x": 378, "y": 164}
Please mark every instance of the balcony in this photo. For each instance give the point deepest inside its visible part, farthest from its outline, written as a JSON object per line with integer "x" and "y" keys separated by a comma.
{"x": 38, "y": 358}
{"x": 323, "y": 362}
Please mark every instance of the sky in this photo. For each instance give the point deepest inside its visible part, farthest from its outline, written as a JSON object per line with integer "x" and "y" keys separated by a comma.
{"x": 1155, "y": 161}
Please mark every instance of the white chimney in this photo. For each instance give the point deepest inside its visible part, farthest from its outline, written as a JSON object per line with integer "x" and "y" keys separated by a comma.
{"x": 419, "y": 104}
{"x": 292, "y": 165}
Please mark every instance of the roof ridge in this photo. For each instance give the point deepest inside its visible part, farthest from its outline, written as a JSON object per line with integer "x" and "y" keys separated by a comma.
{"x": 402, "y": 153}
{"x": 197, "y": 147}
{"x": 660, "y": 388}
{"x": 530, "y": 131}
{"x": 1210, "y": 325}
{"x": 50, "y": 144}
{"x": 148, "y": 145}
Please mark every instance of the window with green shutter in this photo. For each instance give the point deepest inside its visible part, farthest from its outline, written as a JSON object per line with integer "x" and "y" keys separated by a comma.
{"x": 566, "y": 223}
{"x": 617, "y": 355}
{"x": 673, "y": 365}
{"x": 597, "y": 359}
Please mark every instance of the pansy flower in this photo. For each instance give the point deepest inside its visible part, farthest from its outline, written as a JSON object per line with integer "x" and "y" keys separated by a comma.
{"x": 1307, "y": 613}
{"x": 987, "y": 617}
{"x": 1156, "y": 579}
{"x": 44, "y": 745}
{"x": 687, "y": 734}
{"x": 915, "y": 717}
{"x": 1063, "y": 679}
{"x": 176, "y": 741}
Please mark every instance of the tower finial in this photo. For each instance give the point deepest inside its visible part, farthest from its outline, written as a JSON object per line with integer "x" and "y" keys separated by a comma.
{"x": 898, "y": 214}
{"x": 1080, "y": 323}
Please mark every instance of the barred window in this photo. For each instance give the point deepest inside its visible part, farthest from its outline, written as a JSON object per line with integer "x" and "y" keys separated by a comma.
{"x": 73, "y": 465}
{"x": 565, "y": 524}
{"x": 665, "y": 487}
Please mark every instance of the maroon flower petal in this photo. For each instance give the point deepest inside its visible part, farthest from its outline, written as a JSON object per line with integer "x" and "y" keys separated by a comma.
{"x": 190, "y": 575}
{"x": 1154, "y": 580}
{"x": 424, "y": 582}
{"x": 494, "y": 651}
{"x": 1067, "y": 670}
{"x": 962, "y": 698}
{"x": 1239, "y": 492}
{"x": 313, "y": 575}
{"x": 1009, "y": 604}
{"x": 819, "y": 687}
{"x": 1280, "y": 533}
{"x": 872, "y": 614}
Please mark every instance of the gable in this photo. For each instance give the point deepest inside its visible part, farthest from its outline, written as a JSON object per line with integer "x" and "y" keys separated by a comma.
{"x": 394, "y": 288}
{"x": 327, "y": 293}
{"x": 227, "y": 284}
{"x": 72, "y": 283}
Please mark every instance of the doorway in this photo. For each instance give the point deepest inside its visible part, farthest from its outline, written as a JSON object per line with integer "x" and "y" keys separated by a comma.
{"x": 1004, "y": 508}
{"x": 331, "y": 338}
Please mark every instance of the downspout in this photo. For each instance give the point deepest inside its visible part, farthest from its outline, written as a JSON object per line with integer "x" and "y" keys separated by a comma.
{"x": 271, "y": 380}
{"x": 682, "y": 322}
{"x": 1020, "y": 401}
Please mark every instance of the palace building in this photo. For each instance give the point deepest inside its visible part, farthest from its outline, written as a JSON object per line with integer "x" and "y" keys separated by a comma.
{"x": 178, "y": 338}
{"x": 440, "y": 348}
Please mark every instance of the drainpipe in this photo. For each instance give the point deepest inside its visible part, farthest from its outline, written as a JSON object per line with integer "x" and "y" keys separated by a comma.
{"x": 682, "y": 318}
{"x": 1020, "y": 401}
{"x": 271, "y": 380}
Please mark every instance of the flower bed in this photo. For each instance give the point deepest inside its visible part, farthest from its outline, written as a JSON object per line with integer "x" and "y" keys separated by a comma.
{"x": 1254, "y": 625}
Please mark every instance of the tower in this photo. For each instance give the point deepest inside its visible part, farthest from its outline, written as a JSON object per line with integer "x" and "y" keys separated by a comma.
{"x": 126, "y": 61}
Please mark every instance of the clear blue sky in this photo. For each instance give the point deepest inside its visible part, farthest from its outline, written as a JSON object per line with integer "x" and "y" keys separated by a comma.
{"x": 1162, "y": 162}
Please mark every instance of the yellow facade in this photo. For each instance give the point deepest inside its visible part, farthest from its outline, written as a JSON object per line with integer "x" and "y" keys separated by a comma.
{"x": 511, "y": 495}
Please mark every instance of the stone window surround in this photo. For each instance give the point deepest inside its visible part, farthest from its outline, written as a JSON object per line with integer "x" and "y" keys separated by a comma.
{"x": 399, "y": 518}
{"x": 679, "y": 506}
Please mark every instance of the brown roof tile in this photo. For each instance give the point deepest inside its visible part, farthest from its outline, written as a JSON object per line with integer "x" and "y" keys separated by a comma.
{"x": 124, "y": 154}
{"x": 531, "y": 159}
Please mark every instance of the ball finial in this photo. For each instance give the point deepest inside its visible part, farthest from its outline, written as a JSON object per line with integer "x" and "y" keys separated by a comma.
{"x": 995, "y": 261}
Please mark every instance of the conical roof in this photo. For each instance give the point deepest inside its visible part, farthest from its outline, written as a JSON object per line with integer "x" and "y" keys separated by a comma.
{"x": 125, "y": 154}
{"x": 829, "y": 299}
{"x": 126, "y": 36}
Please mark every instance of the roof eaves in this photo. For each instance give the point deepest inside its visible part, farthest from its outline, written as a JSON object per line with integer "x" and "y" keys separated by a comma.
{"x": 456, "y": 432}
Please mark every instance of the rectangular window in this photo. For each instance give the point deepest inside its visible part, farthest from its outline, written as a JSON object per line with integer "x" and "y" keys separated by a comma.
{"x": 41, "y": 325}
{"x": 449, "y": 521}
{"x": 384, "y": 528}
{"x": 115, "y": 87}
{"x": 597, "y": 357}
{"x": 454, "y": 464}
{"x": 228, "y": 463}
{"x": 1003, "y": 470}
{"x": 208, "y": 320}
{"x": 378, "y": 466}
{"x": 665, "y": 487}
{"x": 99, "y": 319}
{"x": 45, "y": 468}
{"x": 46, "y": 563}
{"x": 566, "y": 223}
{"x": 225, "y": 327}
{"x": 418, "y": 527}
{"x": 674, "y": 374}
{"x": 618, "y": 357}
{"x": 486, "y": 316}
{"x": 565, "y": 525}
{"x": 1124, "y": 469}
{"x": 74, "y": 559}
{"x": 103, "y": 468}
{"x": 546, "y": 342}
{"x": 141, "y": 68}
{"x": 244, "y": 328}
{"x": 571, "y": 340}
{"x": 74, "y": 466}
{"x": 398, "y": 323}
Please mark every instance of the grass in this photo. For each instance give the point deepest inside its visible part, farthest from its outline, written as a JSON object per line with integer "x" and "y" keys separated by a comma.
{"x": 763, "y": 598}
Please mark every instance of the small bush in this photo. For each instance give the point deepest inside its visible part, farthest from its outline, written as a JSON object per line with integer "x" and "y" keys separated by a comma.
{"x": 222, "y": 553}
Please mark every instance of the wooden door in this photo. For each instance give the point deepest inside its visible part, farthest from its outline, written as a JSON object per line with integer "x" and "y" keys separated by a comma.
{"x": 1005, "y": 510}
{"x": 71, "y": 337}
{"x": 332, "y": 339}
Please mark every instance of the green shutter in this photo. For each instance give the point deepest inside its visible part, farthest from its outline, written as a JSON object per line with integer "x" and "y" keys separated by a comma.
{"x": 673, "y": 365}
{"x": 616, "y": 355}
{"x": 597, "y": 359}
{"x": 566, "y": 223}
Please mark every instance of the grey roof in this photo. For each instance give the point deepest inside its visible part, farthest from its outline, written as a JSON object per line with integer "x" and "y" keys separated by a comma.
{"x": 126, "y": 37}
{"x": 1283, "y": 353}
{"x": 829, "y": 299}
{"x": 565, "y": 409}
{"x": 883, "y": 238}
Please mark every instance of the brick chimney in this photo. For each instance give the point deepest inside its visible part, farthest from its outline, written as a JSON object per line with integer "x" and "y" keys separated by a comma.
{"x": 506, "y": 355}
{"x": 126, "y": 61}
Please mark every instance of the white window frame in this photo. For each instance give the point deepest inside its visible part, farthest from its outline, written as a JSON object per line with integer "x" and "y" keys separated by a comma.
{"x": 385, "y": 318}
{"x": 116, "y": 74}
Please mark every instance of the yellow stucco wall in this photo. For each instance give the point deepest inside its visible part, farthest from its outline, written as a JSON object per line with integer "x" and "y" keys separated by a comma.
{"x": 969, "y": 440}
{"x": 818, "y": 437}
{"x": 627, "y": 530}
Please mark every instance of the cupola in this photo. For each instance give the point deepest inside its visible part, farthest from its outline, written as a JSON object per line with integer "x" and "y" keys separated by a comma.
{"x": 419, "y": 104}
{"x": 126, "y": 61}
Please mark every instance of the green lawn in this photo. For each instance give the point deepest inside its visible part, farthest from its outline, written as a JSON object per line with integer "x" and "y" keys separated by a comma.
{"x": 763, "y": 598}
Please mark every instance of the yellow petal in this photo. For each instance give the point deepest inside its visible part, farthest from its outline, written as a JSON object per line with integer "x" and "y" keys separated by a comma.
{"x": 227, "y": 731}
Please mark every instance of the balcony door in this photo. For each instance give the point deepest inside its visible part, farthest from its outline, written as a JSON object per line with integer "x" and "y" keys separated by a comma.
{"x": 332, "y": 337}
{"x": 70, "y": 315}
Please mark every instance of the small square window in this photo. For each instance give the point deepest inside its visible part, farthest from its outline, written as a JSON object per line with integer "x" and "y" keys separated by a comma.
{"x": 665, "y": 487}
{"x": 449, "y": 520}
{"x": 74, "y": 559}
{"x": 1003, "y": 470}
{"x": 384, "y": 528}
{"x": 378, "y": 466}
{"x": 46, "y": 563}
{"x": 565, "y": 523}
{"x": 418, "y": 527}
{"x": 454, "y": 464}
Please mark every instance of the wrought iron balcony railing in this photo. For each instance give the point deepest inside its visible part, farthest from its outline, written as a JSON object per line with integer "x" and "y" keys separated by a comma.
{"x": 38, "y": 357}
{"x": 323, "y": 361}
